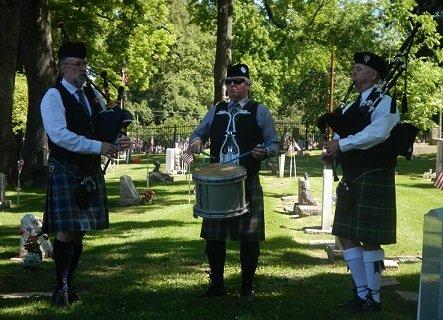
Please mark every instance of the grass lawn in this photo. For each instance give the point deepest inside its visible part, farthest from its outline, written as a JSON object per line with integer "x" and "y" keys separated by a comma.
{"x": 150, "y": 264}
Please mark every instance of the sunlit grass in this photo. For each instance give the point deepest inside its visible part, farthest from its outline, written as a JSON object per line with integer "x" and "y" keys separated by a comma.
{"x": 150, "y": 263}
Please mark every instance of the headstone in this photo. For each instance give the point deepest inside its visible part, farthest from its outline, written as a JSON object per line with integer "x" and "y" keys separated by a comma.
{"x": 4, "y": 204}
{"x": 327, "y": 198}
{"x": 128, "y": 193}
{"x": 307, "y": 210}
{"x": 430, "y": 303}
{"x": 172, "y": 160}
{"x": 281, "y": 165}
{"x": 159, "y": 177}
{"x": 305, "y": 196}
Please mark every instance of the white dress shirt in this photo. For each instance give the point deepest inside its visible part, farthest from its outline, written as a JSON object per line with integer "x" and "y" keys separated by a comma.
{"x": 264, "y": 121}
{"x": 382, "y": 122}
{"x": 54, "y": 122}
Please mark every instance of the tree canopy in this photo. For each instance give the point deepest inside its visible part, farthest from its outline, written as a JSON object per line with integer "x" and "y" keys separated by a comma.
{"x": 166, "y": 49}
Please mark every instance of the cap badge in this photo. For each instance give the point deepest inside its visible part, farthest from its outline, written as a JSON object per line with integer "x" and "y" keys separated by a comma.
{"x": 366, "y": 58}
{"x": 243, "y": 70}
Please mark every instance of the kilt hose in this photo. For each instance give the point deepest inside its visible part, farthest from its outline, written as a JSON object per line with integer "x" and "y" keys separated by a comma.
{"x": 367, "y": 211}
{"x": 247, "y": 227}
{"x": 62, "y": 212}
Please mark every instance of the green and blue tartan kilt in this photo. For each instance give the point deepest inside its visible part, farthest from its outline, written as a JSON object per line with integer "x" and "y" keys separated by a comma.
{"x": 367, "y": 211}
{"x": 247, "y": 227}
{"x": 62, "y": 212}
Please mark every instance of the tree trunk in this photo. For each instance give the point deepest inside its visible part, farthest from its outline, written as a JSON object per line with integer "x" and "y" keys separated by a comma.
{"x": 223, "y": 47}
{"x": 38, "y": 61}
{"x": 9, "y": 33}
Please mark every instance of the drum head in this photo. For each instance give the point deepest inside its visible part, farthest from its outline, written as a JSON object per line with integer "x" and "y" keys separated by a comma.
{"x": 217, "y": 172}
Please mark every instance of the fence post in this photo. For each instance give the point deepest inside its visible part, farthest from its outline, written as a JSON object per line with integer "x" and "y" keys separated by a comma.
{"x": 175, "y": 136}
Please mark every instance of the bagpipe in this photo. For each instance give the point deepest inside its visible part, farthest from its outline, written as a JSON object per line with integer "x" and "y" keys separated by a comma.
{"x": 113, "y": 121}
{"x": 403, "y": 135}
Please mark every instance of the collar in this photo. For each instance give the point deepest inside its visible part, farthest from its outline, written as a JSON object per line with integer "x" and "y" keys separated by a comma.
{"x": 69, "y": 86}
{"x": 242, "y": 102}
{"x": 365, "y": 94}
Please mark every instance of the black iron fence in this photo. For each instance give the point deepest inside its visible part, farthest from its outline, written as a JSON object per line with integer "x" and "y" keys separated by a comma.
{"x": 157, "y": 138}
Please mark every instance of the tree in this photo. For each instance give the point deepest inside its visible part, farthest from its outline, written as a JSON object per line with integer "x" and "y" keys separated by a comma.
{"x": 38, "y": 62}
{"x": 9, "y": 35}
{"x": 223, "y": 47}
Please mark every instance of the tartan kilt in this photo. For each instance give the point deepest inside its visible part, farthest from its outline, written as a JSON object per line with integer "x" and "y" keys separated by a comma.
{"x": 367, "y": 211}
{"x": 247, "y": 227}
{"x": 62, "y": 212}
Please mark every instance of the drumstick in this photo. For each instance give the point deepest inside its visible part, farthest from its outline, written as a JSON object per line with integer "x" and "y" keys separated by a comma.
{"x": 245, "y": 154}
{"x": 207, "y": 154}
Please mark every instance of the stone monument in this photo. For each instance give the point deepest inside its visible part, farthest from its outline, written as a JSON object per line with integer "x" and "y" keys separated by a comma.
{"x": 307, "y": 205}
{"x": 281, "y": 165}
{"x": 430, "y": 303}
{"x": 128, "y": 193}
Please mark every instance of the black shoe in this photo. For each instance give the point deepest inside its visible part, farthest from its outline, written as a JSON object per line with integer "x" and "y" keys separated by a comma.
{"x": 366, "y": 305}
{"x": 247, "y": 295}
{"x": 214, "y": 291}
{"x": 60, "y": 299}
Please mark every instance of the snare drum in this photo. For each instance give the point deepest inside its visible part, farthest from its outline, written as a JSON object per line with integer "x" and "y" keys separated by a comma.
{"x": 220, "y": 191}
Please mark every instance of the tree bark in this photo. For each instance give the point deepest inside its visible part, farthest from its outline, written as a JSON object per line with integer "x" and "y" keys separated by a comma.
{"x": 38, "y": 61}
{"x": 223, "y": 47}
{"x": 9, "y": 34}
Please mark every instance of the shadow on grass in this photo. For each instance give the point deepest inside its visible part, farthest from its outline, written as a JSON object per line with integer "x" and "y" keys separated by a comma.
{"x": 162, "y": 278}
{"x": 124, "y": 295}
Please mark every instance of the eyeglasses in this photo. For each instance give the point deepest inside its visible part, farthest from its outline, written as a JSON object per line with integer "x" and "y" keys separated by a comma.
{"x": 234, "y": 81}
{"x": 77, "y": 64}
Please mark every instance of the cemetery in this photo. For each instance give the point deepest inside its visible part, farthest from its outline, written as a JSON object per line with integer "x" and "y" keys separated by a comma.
{"x": 150, "y": 262}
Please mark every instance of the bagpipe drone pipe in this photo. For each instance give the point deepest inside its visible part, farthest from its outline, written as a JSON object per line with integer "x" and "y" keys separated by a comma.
{"x": 403, "y": 135}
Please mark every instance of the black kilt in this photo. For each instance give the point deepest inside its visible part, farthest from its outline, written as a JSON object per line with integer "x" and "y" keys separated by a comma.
{"x": 247, "y": 227}
{"x": 367, "y": 212}
{"x": 62, "y": 212}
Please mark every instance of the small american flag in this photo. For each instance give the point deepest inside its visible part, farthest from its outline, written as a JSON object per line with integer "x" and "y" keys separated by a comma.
{"x": 188, "y": 157}
{"x": 20, "y": 164}
{"x": 439, "y": 180}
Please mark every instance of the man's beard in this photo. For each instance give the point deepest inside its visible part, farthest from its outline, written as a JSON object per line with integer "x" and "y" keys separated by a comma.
{"x": 79, "y": 81}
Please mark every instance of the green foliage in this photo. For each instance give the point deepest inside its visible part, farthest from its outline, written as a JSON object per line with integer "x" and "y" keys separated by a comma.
{"x": 183, "y": 85}
{"x": 168, "y": 47}
{"x": 130, "y": 34}
{"x": 141, "y": 113}
{"x": 425, "y": 91}
{"x": 20, "y": 107}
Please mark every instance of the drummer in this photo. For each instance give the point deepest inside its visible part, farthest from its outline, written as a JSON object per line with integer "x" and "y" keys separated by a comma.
{"x": 255, "y": 132}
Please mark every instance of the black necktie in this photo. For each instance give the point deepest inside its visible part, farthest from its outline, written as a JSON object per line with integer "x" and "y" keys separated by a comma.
{"x": 82, "y": 101}
{"x": 358, "y": 101}
{"x": 355, "y": 105}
